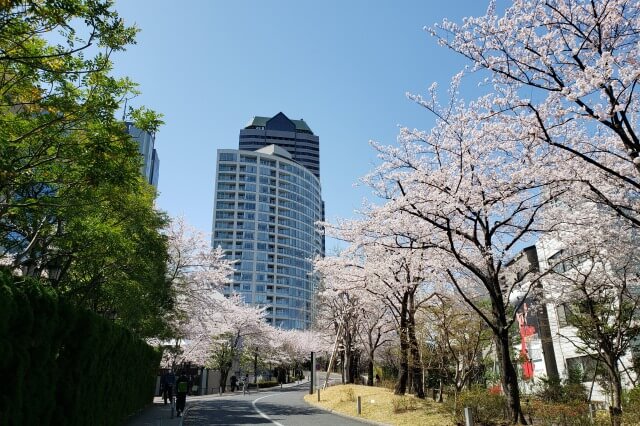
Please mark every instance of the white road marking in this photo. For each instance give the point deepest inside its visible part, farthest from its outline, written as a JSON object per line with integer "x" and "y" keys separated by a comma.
{"x": 263, "y": 414}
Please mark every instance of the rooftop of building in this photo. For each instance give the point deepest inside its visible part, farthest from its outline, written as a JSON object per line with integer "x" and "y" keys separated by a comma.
{"x": 277, "y": 151}
{"x": 279, "y": 122}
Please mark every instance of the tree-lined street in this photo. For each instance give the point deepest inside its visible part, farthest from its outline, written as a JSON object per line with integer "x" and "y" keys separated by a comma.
{"x": 284, "y": 407}
{"x": 493, "y": 265}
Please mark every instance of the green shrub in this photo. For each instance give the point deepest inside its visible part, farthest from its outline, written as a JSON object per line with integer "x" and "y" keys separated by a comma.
{"x": 631, "y": 406}
{"x": 571, "y": 391}
{"x": 567, "y": 414}
{"x": 489, "y": 408}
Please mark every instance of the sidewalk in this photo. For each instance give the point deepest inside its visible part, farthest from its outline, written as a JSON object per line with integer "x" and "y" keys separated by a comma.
{"x": 156, "y": 414}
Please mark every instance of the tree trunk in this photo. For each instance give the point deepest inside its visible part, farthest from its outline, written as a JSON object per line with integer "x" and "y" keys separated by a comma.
{"x": 416, "y": 362}
{"x": 403, "y": 373}
{"x": 616, "y": 402}
{"x": 370, "y": 370}
{"x": 355, "y": 363}
{"x": 509, "y": 376}
{"x": 255, "y": 367}
{"x": 224, "y": 373}
{"x": 348, "y": 356}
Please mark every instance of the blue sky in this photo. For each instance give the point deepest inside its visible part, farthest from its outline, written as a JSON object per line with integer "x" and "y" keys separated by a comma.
{"x": 343, "y": 66}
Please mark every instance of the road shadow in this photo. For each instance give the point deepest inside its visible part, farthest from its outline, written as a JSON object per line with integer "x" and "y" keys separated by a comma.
{"x": 276, "y": 410}
{"x": 229, "y": 412}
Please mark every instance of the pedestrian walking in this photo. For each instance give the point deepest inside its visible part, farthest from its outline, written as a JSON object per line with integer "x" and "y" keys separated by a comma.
{"x": 234, "y": 383}
{"x": 182, "y": 387}
{"x": 245, "y": 384}
{"x": 167, "y": 384}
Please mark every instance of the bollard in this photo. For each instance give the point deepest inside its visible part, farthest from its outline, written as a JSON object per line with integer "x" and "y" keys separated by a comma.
{"x": 468, "y": 416}
{"x": 359, "y": 405}
{"x": 220, "y": 391}
{"x": 318, "y": 394}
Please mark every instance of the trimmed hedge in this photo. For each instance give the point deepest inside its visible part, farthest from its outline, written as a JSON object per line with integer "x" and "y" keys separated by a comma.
{"x": 264, "y": 385}
{"x": 63, "y": 365}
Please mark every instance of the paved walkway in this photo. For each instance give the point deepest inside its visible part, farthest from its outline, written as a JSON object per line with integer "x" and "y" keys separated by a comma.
{"x": 158, "y": 414}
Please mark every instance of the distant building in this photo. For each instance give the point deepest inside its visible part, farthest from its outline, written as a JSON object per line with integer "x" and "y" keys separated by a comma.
{"x": 547, "y": 340}
{"x": 146, "y": 146}
{"x": 267, "y": 201}
{"x": 536, "y": 347}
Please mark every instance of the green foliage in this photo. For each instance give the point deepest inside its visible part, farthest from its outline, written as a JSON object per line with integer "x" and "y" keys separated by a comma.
{"x": 120, "y": 272}
{"x": 73, "y": 206}
{"x": 64, "y": 365}
{"x": 489, "y": 408}
{"x": 631, "y": 406}
{"x": 571, "y": 391}
{"x": 146, "y": 119}
{"x": 225, "y": 349}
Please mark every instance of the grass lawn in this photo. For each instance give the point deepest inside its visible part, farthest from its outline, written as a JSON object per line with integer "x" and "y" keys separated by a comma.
{"x": 381, "y": 405}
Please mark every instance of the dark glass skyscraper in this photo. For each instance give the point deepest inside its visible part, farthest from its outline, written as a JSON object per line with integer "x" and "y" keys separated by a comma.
{"x": 146, "y": 146}
{"x": 293, "y": 135}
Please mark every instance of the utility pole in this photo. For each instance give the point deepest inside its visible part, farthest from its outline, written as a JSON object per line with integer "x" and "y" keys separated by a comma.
{"x": 333, "y": 355}
{"x": 312, "y": 374}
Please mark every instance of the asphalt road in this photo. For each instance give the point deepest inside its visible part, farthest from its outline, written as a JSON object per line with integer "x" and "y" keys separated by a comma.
{"x": 284, "y": 407}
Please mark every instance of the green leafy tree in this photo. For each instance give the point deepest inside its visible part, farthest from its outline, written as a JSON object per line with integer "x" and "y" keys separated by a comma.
{"x": 74, "y": 210}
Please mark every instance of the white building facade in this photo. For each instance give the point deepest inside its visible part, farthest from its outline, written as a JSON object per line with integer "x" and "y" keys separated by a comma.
{"x": 265, "y": 212}
{"x": 552, "y": 343}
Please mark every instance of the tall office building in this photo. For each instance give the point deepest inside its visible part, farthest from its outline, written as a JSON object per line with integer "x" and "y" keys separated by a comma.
{"x": 293, "y": 135}
{"x": 267, "y": 200}
{"x": 146, "y": 146}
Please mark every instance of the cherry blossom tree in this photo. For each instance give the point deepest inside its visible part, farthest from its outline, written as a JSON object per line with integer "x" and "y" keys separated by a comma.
{"x": 339, "y": 313}
{"x": 235, "y": 326}
{"x": 210, "y": 328}
{"x": 197, "y": 275}
{"x": 468, "y": 194}
{"x": 384, "y": 276}
{"x": 294, "y": 347}
{"x": 376, "y": 330}
{"x": 570, "y": 70}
